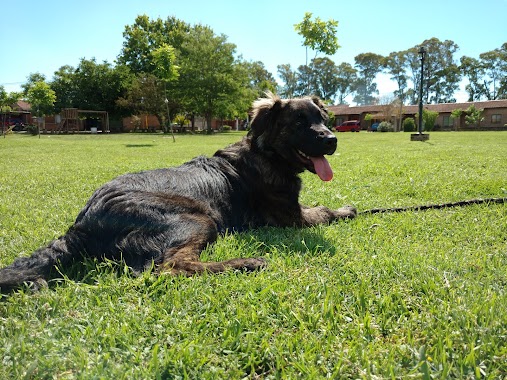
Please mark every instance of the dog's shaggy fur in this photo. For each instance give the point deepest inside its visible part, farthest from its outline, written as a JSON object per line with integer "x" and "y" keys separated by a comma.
{"x": 164, "y": 218}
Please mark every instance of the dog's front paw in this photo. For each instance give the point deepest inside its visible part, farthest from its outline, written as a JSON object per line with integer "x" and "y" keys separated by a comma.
{"x": 347, "y": 212}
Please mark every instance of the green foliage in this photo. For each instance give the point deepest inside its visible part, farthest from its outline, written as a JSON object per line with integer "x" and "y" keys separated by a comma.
{"x": 318, "y": 35}
{"x": 324, "y": 78}
{"x": 385, "y": 126}
{"x": 91, "y": 86}
{"x": 406, "y": 295}
{"x": 32, "y": 129}
{"x": 42, "y": 98}
{"x": 331, "y": 120}
{"x": 429, "y": 119}
{"x": 473, "y": 115}
{"x": 369, "y": 65}
{"x": 409, "y": 124}
{"x": 145, "y": 95}
{"x": 163, "y": 60}
{"x": 456, "y": 113}
{"x": 181, "y": 120}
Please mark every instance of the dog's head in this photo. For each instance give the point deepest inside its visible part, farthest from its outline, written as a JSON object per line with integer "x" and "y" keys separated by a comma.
{"x": 295, "y": 130}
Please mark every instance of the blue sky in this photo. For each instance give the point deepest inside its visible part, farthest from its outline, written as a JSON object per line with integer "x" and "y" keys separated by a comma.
{"x": 42, "y": 36}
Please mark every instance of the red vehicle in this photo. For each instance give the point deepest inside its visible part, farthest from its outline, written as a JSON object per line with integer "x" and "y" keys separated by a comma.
{"x": 349, "y": 126}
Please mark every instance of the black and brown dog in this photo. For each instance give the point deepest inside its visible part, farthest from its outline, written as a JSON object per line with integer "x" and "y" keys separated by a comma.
{"x": 164, "y": 218}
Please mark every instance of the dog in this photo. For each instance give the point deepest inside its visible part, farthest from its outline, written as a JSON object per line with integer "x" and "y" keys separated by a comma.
{"x": 164, "y": 218}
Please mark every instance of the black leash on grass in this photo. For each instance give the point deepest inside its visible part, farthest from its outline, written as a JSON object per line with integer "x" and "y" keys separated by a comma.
{"x": 435, "y": 206}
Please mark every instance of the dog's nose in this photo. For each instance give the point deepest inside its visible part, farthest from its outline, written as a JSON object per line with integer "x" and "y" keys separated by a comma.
{"x": 329, "y": 141}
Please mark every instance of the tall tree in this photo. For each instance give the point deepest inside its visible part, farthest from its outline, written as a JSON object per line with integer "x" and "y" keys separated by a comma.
{"x": 208, "y": 73}
{"x": 320, "y": 36}
{"x": 92, "y": 85}
{"x": 396, "y": 66}
{"x": 441, "y": 73}
{"x": 41, "y": 98}
{"x": 324, "y": 78}
{"x": 304, "y": 81}
{"x": 260, "y": 80}
{"x": 368, "y": 66}
{"x": 346, "y": 77}
{"x": 290, "y": 80}
{"x": 64, "y": 86}
{"x": 502, "y": 90}
{"x": 146, "y": 35}
{"x": 31, "y": 80}
{"x": 145, "y": 95}
{"x": 494, "y": 63}
{"x": 473, "y": 70}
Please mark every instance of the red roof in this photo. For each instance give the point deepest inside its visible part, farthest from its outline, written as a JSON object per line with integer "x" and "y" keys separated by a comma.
{"x": 23, "y": 106}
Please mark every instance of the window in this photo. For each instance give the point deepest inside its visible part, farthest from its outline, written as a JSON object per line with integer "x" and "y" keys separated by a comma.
{"x": 448, "y": 122}
{"x": 496, "y": 119}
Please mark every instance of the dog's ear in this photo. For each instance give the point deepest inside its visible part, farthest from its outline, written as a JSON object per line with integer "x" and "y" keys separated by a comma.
{"x": 319, "y": 103}
{"x": 323, "y": 109}
{"x": 264, "y": 114}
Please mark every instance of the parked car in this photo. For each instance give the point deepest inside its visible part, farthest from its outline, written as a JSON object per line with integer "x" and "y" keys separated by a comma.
{"x": 374, "y": 127}
{"x": 349, "y": 126}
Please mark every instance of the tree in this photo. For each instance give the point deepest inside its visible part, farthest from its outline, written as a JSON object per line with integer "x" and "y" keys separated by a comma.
{"x": 260, "y": 80}
{"x": 346, "y": 77}
{"x": 6, "y": 102}
{"x": 473, "y": 70}
{"x": 64, "y": 86}
{"x": 304, "y": 81}
{"x": 211, "y": 80}
{"x": 457, "y": 114}
{"x": 318, "y": 35}
{"x": 441, "y": 73}
{"x": 31, "y": 80}
{"x": 396, "y": 66}
{"x": 164, "y": 63}
{"x": 290, "y": 80}
{"x": 41, "y": 98}
{"x": 165, "y": 69}
{"x": 368, "y": 66}
{"x": 146, "y": 35}
{"x": 429, "y": 119}
{"x": 208, "y": 76}
{"x": 145, "y": 95}
{"x": 91, "y": 86}
{"x": 494, "y": 64}
{"x": 474, "y": 116}
{"x": 324, "y": 78}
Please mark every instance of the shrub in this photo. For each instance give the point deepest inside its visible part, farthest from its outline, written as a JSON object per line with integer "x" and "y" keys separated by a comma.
{"x": 385, "y": 126}
{"x": 429, "y": 118}
{"x": 32, "y": 129}
{"x": 226, "y": 128}
{"x": 409, "y": 124}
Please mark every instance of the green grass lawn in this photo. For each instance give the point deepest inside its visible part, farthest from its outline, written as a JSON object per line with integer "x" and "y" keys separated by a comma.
{"x": 408, "y": 295}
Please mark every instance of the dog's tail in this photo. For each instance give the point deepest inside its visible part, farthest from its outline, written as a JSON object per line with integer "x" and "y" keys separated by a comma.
{"x": 37, "y": 268}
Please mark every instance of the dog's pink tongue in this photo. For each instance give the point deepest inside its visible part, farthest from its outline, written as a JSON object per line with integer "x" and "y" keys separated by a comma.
{"x": 322, "y": 168}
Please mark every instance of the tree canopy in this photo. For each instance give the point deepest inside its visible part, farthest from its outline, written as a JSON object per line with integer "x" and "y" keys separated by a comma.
{"x": 318, "y": 35}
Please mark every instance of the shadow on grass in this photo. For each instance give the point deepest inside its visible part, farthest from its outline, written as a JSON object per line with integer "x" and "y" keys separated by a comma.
{"x": 292, "y": 241}
{"x": 139, "y": 145}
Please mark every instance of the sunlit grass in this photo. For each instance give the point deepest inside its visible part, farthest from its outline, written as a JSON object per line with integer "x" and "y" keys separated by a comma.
{"x": 419, "y": 295}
